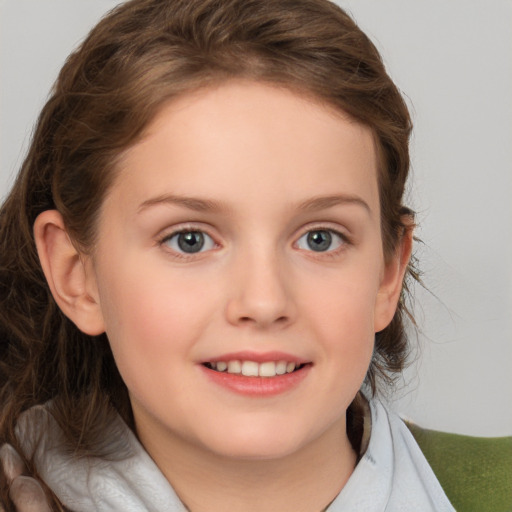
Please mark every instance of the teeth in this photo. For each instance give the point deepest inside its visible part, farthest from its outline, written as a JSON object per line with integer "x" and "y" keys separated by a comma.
{"x": 254, "y": 369}
{"x": 281, "y": 367}
{"x": 234, "y": 367}
{"x": 221, "y": 366}
{"x": 250, "y": 369}
{"x": 267, "y": 369}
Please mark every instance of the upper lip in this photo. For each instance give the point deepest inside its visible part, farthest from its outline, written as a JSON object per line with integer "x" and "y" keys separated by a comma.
{"x": 258, "y": 357}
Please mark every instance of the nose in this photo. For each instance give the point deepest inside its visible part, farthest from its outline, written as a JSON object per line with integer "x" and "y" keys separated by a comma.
{"x": 260, "y": 294}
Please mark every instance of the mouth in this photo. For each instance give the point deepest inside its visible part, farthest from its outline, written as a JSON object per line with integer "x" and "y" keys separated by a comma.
{"x": 256, "y": 374}
{"x": 248, "y": 368}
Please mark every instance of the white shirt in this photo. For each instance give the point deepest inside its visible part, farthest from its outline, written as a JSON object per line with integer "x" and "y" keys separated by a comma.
{"x": 392, "y": 476}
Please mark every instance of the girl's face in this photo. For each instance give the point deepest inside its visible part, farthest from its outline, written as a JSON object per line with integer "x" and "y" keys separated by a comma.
{"x": 243, "y": 235}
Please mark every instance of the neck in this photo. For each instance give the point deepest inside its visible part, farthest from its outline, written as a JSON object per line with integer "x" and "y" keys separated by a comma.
{"x": 305, "y": 481}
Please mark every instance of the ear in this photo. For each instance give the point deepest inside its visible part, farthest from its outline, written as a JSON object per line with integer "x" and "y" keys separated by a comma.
{"x": 392, "y": 279}
{"x": 69, "y": 273}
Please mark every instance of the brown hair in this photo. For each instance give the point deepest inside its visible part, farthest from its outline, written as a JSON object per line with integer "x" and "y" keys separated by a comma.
{"x": 142, "y": 54}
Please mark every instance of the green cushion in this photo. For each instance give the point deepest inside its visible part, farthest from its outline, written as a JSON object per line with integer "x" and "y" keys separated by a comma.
{"x": 475, "y": 472}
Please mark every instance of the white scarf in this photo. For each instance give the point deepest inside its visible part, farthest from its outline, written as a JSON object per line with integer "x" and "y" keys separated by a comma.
{"x": 392, "y": 475}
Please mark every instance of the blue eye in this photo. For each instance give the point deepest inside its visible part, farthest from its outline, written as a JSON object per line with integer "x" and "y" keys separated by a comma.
{"x": 190, "y": 242}
{"x": 320, "y": 240}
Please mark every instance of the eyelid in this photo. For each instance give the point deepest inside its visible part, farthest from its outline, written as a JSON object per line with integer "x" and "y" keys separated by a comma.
{"x": 344, "y": 237}
{"x": 325, "y": 226}
{"x": 171, "y": 232}
{"x": 184, "y": 227}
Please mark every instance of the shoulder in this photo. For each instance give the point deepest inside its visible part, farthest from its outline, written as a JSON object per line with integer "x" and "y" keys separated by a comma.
{"x": 414, "y": 486}
{"x": 392, "y": 473}
{"x": 475, "y": 472}
{"x": 125, "y": 479}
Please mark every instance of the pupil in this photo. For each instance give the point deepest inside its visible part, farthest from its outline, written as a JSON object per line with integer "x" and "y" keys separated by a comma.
{"x": 319, "y": 240}
{"x": 192, "y": 241}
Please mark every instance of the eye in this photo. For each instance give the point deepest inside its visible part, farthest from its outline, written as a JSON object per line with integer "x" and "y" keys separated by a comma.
{"x": 321, "y": 240}
{"x": 189, "y": 242}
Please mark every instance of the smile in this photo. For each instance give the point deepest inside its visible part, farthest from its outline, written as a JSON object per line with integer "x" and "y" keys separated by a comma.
{"x": 253, "y": 368}
{"x": 257, "y": 375}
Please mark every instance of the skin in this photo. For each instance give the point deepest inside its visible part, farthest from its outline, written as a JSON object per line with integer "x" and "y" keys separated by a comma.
{"x": 255, "y": 159}
{"x": 25, "y": 492}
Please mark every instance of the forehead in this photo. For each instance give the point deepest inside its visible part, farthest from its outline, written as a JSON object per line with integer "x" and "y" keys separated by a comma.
{"x": 244, "y": 139}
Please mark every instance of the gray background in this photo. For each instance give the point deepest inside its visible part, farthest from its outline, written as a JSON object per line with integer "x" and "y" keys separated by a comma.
{"x": 453, "y": 61}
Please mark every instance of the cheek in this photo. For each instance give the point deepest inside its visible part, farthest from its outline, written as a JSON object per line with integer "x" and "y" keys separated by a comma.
{"x": 153, "y": 322}
{"x": 347, "y": 327}
{"x": 151, "y": 315}
{"x": 159, "y": 307}
{"x": 344, "y": 300}
{"x": 342, "y": 313}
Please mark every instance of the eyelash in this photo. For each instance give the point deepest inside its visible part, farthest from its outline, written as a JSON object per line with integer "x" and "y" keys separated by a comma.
{"x": 330, "y": 253}
{"x": 344, "y": 242}
{"x": 184, "y": 255}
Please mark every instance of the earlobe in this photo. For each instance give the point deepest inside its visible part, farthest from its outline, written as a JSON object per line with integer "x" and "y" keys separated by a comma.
{"x": 391, "y": 283}
{"x": 72, "y": 285}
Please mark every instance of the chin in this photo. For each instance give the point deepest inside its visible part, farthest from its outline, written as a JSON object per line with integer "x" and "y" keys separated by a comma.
{"x": 258, "y": 451}
{"x": 253, "y": 443}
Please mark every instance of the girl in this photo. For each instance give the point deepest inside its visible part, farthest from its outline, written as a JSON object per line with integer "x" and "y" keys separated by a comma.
{"x": 203, "y": 287}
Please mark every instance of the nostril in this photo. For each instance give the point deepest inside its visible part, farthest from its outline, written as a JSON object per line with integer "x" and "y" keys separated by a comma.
{"x": 250, "y": 320}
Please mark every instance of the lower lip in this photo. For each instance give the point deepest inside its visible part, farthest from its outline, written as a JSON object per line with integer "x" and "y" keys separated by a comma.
{"x": 258, "y": 386}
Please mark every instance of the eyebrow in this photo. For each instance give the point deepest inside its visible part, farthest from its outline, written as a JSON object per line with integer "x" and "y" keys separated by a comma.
{"x": 207, "y": 205}
{"x": 325, "y": 202}
{"x": 191, "y": 203}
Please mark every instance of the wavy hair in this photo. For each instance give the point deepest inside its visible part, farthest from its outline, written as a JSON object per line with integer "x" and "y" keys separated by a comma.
{"x": 139, "y": 56}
